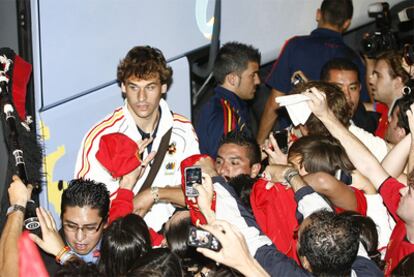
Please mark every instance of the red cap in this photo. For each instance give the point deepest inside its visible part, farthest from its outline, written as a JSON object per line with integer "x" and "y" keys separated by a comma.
{"x": 118, "y": 154}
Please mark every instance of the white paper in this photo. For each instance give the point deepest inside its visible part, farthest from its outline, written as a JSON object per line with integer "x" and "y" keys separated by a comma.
{"x": 297, "y": 107}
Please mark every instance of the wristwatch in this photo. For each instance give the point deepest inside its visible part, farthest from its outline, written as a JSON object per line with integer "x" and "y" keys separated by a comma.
{"x": 289, "y": 174}
{"x": 15, "y": 208}
{"x": 154, "y": 193}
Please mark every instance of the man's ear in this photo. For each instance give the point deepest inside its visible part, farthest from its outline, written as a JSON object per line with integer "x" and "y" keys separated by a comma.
{"x": 123, "y": 88}
{"x": 401, "y": 132}
{"x": 318, "y": 16}
{"x": 255, "y": 170}
{"x": 164, "y": 88}
{"x": 232, "y": 79}
{"x": 346, "y": 25}
{"x": 305, "y": 263}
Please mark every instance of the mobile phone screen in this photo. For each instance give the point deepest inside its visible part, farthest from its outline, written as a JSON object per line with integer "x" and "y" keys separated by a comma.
{"x": 282, "y": 140}
{"x": 192, "y": 176}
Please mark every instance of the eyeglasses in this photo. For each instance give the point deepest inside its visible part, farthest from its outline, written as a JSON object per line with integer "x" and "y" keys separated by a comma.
{"x": 88, "y": 229}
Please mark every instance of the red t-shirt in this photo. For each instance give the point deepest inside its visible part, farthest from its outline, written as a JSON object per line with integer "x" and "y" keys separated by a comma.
{"x": 383, "y": 121}
{"x": 275, "y": 212}
{"x": 398, "y": 246}
{"x": 361, "y": 202}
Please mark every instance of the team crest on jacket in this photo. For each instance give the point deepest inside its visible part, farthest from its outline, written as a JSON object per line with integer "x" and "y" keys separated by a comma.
{"x": 169, "y": 167}
{"x": 172, "y": 148}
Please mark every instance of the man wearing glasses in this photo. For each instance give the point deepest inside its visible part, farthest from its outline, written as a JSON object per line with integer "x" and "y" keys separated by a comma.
{"x": 84, "y": 211}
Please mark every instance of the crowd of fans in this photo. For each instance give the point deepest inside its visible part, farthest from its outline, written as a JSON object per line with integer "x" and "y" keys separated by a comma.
{"x": 339, "y": 202}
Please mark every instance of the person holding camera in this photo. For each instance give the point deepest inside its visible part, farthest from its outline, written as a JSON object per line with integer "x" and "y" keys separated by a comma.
{"x": 309, "y": 54}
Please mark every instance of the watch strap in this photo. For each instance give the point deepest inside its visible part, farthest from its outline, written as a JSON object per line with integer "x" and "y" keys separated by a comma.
{"x": 15, "y": 208}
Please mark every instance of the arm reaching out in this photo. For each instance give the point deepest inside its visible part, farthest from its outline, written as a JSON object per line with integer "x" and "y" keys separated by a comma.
{"x": 359, "y": 155}
{"x": 234, "y": 252}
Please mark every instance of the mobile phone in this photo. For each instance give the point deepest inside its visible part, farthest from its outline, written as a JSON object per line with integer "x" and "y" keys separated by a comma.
{"x": 192, "y": 176}
{"x": 201, "y": 238}
{"x": 282, "y": 140}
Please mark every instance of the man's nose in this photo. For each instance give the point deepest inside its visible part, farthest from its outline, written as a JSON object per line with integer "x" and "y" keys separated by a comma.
{"x": 257, "y": 80}
{"x": 223, "y": 170}
{"x": 80, "y": 235}
{"x": 142, "y": 95}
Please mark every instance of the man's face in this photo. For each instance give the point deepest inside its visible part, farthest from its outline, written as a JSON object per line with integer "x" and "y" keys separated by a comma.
{"x": 232, "y": 160}
{"x": 347, "y": 80}
{"x": 394, "y": 134}
{"x": 406, "y": 205}
{"x": 384, "y": 88}
{"x": 143, "y": 96}
{"x": 83, "y": 228}
{"x": 248, "y": 81}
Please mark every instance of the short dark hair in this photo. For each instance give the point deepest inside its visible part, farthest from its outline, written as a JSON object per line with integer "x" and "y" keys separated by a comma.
{"x": 144, "y": 62}
{"x": 336, "y": 12}
{"x": 321, "y": 153}
{"x": 338, "y": 64}
{"x": 242, "y": 139}
{"x": 77, "y": 267}
{"x": 330, "y": 243}
{"x": 234, "y": 57}
{"x": 404, "y": 104}
{"x": 336, "y": 102}
{"x": 126, "y": 240}
{"x": 176, "y": 236}
{"x": 158, "y": 262}
{"x": 85, "y": 192}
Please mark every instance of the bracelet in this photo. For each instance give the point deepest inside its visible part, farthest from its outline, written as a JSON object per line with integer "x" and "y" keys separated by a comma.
{"x": 290, "y": 173}
{"x": 60, "y": 254}
{"x": 155, "y": 195}
{"x": 66, "y": 256}
{"x": 15, "y": 208}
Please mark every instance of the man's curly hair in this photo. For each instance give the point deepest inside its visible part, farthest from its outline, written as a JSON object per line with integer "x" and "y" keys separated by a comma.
{"x": 144, "y": 62}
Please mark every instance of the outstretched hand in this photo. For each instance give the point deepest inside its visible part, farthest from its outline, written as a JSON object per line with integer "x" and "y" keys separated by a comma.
{"x": 234, "y": 252}
{"x": 51, "y": 241}
{"x": 129, "y": 180}
{"x": 205, "y": 195}
{"x": 317, "y": 102}
{"x": 273, "y": 152}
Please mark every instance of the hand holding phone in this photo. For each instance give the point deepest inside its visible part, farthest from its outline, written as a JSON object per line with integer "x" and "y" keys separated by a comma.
{"x": 282, "y": 140}
{"x": 201, "y": 238}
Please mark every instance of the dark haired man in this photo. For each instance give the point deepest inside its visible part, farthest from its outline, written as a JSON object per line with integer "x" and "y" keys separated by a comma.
{"x": 144, "y": 77}
{"x": 345, "y": 74}
{"x": 328, "y": 244}
{"x": 238, "y": 154}
{"x": 309, "y": 54}
{"x": 84, "y": 211}
{"x": 236, "y": 71}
